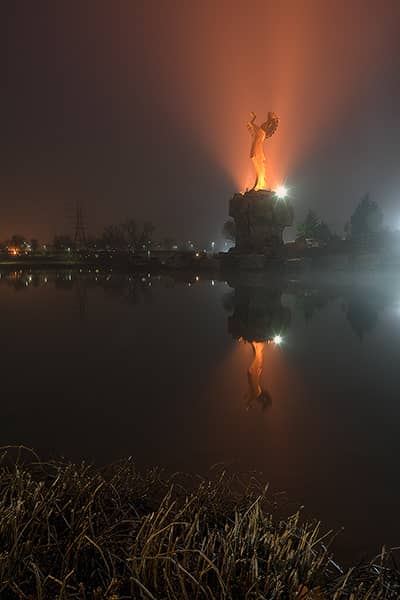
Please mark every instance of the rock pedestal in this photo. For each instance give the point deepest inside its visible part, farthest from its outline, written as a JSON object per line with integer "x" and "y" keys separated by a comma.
{"x": 260, "y": 218}
{"x": 258, "y": 313}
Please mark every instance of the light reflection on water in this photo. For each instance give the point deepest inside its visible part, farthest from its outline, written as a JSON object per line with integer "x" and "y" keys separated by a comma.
{"x": 99, "y": 365}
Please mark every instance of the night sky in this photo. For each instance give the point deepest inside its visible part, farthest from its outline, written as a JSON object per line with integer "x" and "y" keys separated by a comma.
{"x": 138, "y": 108}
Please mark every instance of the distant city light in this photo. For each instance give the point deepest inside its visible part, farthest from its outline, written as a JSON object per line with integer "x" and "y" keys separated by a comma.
{"x": 277, "y": 339}
{"x": 281, "y": 192}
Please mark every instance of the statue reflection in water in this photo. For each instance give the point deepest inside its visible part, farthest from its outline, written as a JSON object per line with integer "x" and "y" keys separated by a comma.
{"x": 260, "y": 319}
{"x": 256, "y": 393}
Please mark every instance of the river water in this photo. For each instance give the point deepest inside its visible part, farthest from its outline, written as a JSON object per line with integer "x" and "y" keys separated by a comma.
{"x": 295, "y": 378}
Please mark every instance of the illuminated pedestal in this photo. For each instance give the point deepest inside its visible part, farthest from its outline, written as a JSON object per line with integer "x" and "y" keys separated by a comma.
{"x": 260, "y": 218}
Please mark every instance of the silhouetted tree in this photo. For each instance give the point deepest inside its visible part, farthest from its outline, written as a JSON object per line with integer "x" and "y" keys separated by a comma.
{"x": 313, "y": 227}
{"x": 93, "y": 242}
{"x": 17, "y": 240}
{"x": 323, "y": 232}
{"x": 229, "y": 230}
{"x": 308, "y": 228}
{"x": 366, "y": 219}
{"x": 34, "y": 245}
{"x": 113, "y": 236}
{"x": 127, "y": 235}
{"x": 131, "y": 233}
{"x": 145, "y": 237}
{"x": 168, "y": 243}
{"x": 63, "y": 242}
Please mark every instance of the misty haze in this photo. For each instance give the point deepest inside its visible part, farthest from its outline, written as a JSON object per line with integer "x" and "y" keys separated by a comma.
{"x": 199, "y": 300}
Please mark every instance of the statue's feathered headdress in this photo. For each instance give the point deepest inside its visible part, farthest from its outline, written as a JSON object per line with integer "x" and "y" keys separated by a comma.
{"x": 271, "y": 125}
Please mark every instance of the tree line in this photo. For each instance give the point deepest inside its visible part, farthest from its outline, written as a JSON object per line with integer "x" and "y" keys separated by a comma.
{"x": 129, "y": 235}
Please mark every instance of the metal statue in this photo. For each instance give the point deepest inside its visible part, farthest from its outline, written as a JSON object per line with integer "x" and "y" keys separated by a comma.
{"x": 259, "y": 134}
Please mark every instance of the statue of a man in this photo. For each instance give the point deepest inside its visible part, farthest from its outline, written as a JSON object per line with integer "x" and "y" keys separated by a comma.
{"x": 259, "y": 133}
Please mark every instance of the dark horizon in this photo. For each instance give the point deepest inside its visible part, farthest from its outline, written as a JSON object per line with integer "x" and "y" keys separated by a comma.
{"x": 139, "y": 110}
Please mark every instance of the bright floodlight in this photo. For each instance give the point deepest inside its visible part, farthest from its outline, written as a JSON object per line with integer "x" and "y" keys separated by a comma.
{"x": 281, "y": 192}
{"x": 277, "y": 339}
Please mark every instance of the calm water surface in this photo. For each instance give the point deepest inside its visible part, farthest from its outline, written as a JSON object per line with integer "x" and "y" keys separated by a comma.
{"x": 183, "y": 374}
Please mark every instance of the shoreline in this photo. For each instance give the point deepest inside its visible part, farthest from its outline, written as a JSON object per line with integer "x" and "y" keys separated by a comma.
{"x": 82, "y": 531}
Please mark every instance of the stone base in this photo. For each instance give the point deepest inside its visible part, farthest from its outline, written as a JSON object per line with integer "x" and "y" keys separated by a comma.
{"x": 258, "y": 313}
{"x": 260, "y": 218}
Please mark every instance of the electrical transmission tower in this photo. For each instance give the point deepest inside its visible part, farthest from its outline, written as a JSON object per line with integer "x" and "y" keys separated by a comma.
{"x": 80, "y": 237}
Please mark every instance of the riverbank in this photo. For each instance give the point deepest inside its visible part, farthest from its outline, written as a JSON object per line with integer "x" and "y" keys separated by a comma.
{"x": 314, "y": 260}
{"x": 124, "y": 261}
{"x": 77, "y": 531}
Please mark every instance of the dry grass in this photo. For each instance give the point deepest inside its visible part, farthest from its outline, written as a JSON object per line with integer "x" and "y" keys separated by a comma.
{"x": 75, "y": 531}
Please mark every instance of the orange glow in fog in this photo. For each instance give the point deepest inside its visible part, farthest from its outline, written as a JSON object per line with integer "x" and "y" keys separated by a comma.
{"x": 308, "y": 61}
